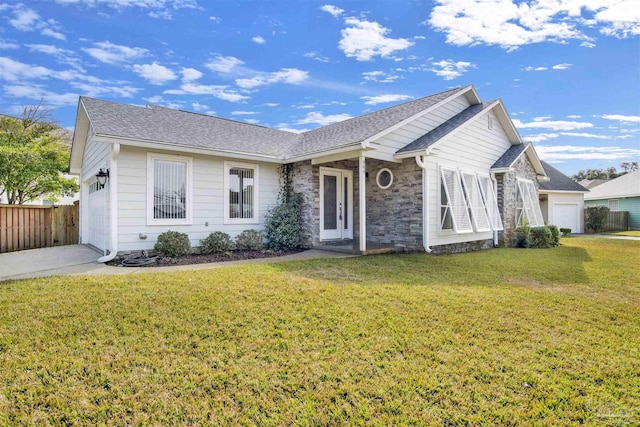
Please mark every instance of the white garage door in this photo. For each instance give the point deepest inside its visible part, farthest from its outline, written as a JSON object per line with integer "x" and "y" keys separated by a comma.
{"x": 97, "y": 215}
{"x": 566, "y": 215}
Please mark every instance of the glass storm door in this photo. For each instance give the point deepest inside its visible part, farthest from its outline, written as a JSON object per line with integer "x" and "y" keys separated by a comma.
{"x": 336, "y": 201}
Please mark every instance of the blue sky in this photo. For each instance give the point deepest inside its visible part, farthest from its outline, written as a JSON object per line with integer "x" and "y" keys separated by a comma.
{"x": 567, "y": 71}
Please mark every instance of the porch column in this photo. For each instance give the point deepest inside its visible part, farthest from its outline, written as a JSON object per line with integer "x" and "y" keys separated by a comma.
{"x": 362, "y": 191}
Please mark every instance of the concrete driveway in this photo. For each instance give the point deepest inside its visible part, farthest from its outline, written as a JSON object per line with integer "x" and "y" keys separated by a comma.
{"x": 71, "y": 259}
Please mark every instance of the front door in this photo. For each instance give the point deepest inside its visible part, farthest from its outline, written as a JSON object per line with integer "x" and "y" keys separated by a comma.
{"x": 336, "y": 204}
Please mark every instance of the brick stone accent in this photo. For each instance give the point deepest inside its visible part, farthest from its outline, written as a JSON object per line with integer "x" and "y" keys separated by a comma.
{"x": 455, "y": 248}
{"x": 507, "y": 194}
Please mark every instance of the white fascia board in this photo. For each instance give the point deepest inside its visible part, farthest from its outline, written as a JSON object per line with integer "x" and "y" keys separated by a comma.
{"x": 507, "y": 123}
{"x": 536, "y": 163}
{"x": 336, "y": 157}
{"x": 185, "y": 149}
{"x": 501, "y": 170}
{"x": 390, "y": 129}
{"x": 412, "y": 153}
{"x": 560, "y": 191}
{"x": 79, "y": 140}
{"x": 323, "y": 153}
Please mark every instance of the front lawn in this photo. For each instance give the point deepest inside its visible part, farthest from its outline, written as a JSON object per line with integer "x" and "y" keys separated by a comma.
{"x": 499, "y": 337}
{"x": 632, "y": 233}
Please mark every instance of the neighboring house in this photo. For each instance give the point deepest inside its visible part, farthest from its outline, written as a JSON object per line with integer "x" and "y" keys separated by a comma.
{"x": 63, "y": 200}
{"x": 590, "y": 183}
{"x": 619, "y": 194}
{"x": 562, "y": 200}
{"x": 443, "y": 173}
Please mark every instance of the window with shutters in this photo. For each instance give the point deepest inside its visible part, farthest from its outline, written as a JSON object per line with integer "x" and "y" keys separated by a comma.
{"x": 475, "y": 202}
{"x": 490, "y": 201}
{"x": 454, "y": 212}
{"x": 527, "y": 204}
{"x": 168, "y": 189}
{"x": 240, "y": 193}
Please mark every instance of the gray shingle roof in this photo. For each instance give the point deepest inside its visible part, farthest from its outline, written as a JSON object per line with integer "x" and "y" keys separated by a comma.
{"x": 166, "y": 125}
{"x": 509, "y": 156}
{"x": 445, "y": 128}
{"x": 184, "y": 128}
{"x": 558, "y": 181}
{"x": 360, "y": 128}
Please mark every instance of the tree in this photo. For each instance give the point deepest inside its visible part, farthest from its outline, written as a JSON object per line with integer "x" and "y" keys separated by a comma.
{"x": 609, "y": 173}
{"x": 33, "y": 158}
{"x": 629, "y": 166}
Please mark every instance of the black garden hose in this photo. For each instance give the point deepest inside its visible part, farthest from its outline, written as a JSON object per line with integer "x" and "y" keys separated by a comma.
{"x": 139, "y": 260}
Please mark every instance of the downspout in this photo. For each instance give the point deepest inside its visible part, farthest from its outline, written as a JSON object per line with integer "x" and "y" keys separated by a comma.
{"x": 425, "y": 203}
{"x": 113, "y": 204}
{"x": 495, "y": 191}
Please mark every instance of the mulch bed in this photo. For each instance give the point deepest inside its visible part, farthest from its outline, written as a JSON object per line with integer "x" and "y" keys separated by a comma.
{"x": 203, "y": 259}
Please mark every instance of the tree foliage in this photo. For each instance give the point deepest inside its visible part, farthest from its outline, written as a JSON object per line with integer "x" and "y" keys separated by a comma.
{"x": 33, "y": 158}
{"x": 609, "y": 173}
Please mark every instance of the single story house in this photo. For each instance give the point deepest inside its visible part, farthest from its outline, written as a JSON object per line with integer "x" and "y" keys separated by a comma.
{"x": 562, "y": 200}
{"x": 619, "y": 194}
{"x": 447, "y": 172}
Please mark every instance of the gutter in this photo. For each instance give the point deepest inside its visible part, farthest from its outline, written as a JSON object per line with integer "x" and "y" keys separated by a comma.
{"x": 495, "y": 192}
{"x": 425, "y": 205}
{"x": 113, "y": 204}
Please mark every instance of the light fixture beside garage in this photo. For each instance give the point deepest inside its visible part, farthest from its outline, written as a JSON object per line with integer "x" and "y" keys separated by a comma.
{"x": 102, "y": 177}
{"x": 384, "y": 178}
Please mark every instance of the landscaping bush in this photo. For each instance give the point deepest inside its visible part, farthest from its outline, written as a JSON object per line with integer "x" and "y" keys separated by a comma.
{"x": 250, "y": 240}
{"x": 595, "y": 218}
{"x": 283, "y": 226}
{"x": 541, "y": 237}
{"x": 216, "y": 242}
{"x": 565, "y": 231}
{"x": 523, "y": 236}
{"x": 173, "y": 244}
{"x": 555, "y": 235}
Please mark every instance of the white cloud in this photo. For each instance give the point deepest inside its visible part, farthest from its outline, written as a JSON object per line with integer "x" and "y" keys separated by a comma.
{"x": 11, "y": 70}
{"x": 55, "y": 34}
{"x": 25, "y": 19}
{"x": 622, "y": 118}
{"x": 190, "y": 74}
{"x": 8, "y": 45}
{"x": 588, "y": 45}
{"x": 156, "y": 8}
{"x": 380, "y": 77}
{"x": 450, "y": 69}
{"x": 252, "y": 121}
{"x": 585, "y": 135}
{"x": 244, "y": 113}
{"x": 271, "y": 104}
{"x": 154, "y": 73}
{"x": 305, "y": 106}
{"x": 573, "y": 152}
{"x": 316, "y": 117}
{"x": 333, "y": 10}
{"x": 363, "y": 40}
{"x": 286, "y": 75}
{"x": 199, "y": 107}
{"x": 552, "y": 124}
{"x": 563, "y": 66}
{"x": 382, "y": 99}
{"x": 111, "y": 53}
{"x": 530, "y": 68}
{"x": 217, "y": 91}
{"x": 64, "y": 56}
{"x": 223, "y": 64}
{"x": 258, "y": 40}
{"x": 49, "y": 98}
{"x": 540, "y": 137}
{"x": 574, "y": 116}
{"x": 316, "y": 56}
{"x": 215, "y": 19}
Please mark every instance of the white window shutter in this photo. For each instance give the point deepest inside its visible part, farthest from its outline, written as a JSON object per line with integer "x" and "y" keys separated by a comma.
{"x": 531, "y": 204}
{"x": 456, "y": 201}
{"x": 475, "y": 202}
{"x": 491, "y": 202}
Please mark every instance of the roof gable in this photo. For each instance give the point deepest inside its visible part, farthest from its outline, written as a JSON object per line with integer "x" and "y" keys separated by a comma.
{"x": 559, "y": 181}
{"x": 514, "y": 152}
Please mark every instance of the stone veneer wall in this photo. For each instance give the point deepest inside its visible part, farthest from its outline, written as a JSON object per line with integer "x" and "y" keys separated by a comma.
{"x": 455, "y": 248}
{"x": 394, "y": 215}
{"x": 507, "y": 193}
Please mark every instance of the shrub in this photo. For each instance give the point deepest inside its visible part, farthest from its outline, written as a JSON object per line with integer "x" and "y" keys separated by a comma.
{"x": 216, "y": 242}
{"x": 523, "y": 236}
{"x": 555, "y": 235}
{"x": 541, "y": 237}
{"x": 250, "y": 240}
{"x": 173, "y": 244}
{"x": 283, "y": 226}
{"x": 595, "y": 218}
{"x": 565, "y": 231}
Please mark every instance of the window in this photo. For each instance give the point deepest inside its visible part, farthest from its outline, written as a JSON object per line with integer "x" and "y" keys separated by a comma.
{"x": 527, "y": 205}
{"x": 475, "y": 202}
{"x": 168, "y": 189}
{"x": 614, "y": 205}
{"x": 490, "y": 202}
{"x": 384, "y": 179}
{"x": 240, "y": 193}
{"x": 454, "y": 213}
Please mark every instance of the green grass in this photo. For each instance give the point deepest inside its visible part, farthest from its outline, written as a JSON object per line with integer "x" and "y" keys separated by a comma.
{"x": 633, "y": 233}
{"x": 499, "y": 337}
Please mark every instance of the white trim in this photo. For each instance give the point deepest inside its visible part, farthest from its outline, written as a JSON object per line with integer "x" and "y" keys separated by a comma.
{"x": 384, "y": 187}
{"x": 530, "y": 203}
{"x": 563, "y": 191}
{"x": 475, "y": 201}
{"x": 340, "y": 174}
{"x": 362, "y": 194}
{"x": 228, "y": 165}
{"x": 458, "y": 209}
{"x": 188, "y": 161}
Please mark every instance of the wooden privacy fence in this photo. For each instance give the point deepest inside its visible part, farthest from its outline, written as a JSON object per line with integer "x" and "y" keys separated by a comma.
{"x": 618, "y": 221}
{"x": 31, "y": 227}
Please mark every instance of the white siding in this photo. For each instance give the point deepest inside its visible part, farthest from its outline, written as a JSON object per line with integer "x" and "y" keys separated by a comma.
{"x": 96, "y": 156}
{"x": 473, "y": 149}
{"x": 408, "y": 133}
{"x": 208, "y": 175}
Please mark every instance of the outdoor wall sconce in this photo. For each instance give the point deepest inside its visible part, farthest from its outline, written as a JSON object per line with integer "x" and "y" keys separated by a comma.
{"x": 102, "y": 177}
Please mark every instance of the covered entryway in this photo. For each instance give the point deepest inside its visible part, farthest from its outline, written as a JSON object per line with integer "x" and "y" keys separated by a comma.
{"x": 97, "y": 211}
{"x": 336, "y": 204}
{"x": 566, "y": 215}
